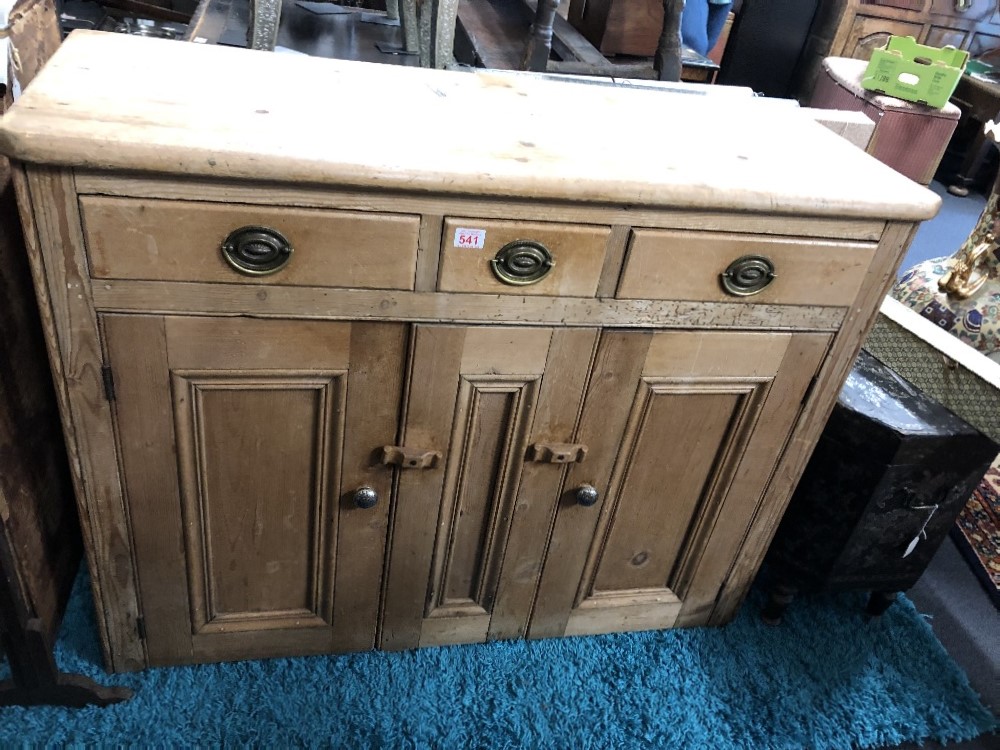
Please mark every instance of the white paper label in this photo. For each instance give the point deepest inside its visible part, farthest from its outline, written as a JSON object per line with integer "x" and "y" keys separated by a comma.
{"x": 474, "y": 239}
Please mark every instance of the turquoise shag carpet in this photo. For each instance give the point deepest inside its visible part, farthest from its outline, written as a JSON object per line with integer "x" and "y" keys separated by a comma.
{"x": 827, "y": 678}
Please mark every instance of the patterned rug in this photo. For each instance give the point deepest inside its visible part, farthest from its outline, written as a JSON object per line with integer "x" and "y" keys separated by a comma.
{"x": 977, "y": 532}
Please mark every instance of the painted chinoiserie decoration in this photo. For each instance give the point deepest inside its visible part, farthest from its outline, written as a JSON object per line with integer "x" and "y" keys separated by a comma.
{"x": 961, "y": 293}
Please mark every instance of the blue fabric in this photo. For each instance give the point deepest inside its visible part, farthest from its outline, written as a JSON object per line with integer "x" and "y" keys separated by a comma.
{"x": 827, "y": 678}
{"x": 702, "y": 22}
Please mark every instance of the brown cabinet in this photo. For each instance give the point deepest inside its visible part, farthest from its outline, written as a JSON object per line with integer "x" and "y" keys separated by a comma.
{"x": 348, "y": 394}
{"x": 864, "y": 25}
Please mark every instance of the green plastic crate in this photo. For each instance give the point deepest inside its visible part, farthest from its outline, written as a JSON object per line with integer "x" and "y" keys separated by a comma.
{"x": 915, "y": 72}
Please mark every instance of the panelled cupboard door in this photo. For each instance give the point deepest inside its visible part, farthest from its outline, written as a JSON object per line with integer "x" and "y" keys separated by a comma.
{"x": 242, "y": 443}
{"x": 499, "y": 405}
{"x": 684, "y": 430}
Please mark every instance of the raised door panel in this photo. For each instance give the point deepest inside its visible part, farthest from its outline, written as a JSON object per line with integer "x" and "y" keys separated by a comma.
{"x": 868, "y": 33}
{"x": 469, "y": 534}
{"x": 685, "y": 425}
{"x": 240, "y": 482}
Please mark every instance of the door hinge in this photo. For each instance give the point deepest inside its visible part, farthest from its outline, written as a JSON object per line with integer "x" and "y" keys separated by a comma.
{"x": 809, "y": 389}
{"x": 109, "y": 383}
{"x": 140, "y": 626}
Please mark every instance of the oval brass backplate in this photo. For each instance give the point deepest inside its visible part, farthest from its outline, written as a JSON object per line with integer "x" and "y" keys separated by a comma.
{"x": 522, "y": 262}
{"x": 256, "y": 251}
{"x": 748, "y": 275}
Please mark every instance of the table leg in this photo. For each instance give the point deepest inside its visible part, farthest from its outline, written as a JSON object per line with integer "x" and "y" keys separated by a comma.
{"x": 536, "y": 54}
{"x": 265, "y": 15}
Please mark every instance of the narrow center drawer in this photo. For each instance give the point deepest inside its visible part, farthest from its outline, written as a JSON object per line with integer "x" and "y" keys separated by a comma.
{"x": 166, "y": 240}
{"x": 471, "y": 248}
{"x": 682, "y": 265}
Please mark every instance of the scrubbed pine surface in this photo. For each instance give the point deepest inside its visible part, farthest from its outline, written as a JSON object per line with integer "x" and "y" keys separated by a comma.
{"x": 827, "y": 678}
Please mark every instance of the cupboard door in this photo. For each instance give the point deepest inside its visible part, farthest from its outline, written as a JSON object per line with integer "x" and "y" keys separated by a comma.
{"x": 684, "y": 430}
{"x": 469, "y": 535}
{"x": 242, "y": 443}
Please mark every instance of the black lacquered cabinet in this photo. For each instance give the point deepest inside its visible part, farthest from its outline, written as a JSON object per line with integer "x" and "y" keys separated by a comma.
{"x": 889, "y": 477}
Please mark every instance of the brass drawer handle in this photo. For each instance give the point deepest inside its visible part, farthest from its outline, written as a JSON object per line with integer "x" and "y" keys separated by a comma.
{"x": 522, "y": 262}
{"x": 256, "y": 251}
{"x": 748, "y": 275}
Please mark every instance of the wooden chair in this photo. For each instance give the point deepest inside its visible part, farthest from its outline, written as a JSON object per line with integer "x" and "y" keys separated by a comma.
{"x": 666, "y": 62}
{"x": 428, "y": 28}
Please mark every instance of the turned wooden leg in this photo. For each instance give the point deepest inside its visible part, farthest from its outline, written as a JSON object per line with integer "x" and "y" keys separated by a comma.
{"x": 435, "y": 32}
{"x": 778, "y": 600}
{"x": 879, "y": 602}
{"x": 409, "y": 22}
{"x": 668, "y": 53}
{"x": 265, "y": 15}
{"x": 536, "y": 54}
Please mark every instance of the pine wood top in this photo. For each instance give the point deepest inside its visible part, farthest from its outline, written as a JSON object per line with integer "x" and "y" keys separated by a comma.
{"x": 111, "y": 101}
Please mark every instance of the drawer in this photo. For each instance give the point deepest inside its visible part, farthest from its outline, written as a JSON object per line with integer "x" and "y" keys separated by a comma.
{"x": 469, "y": 246}
{"x": 165, "y": 240}
{"x": 679, "y": 265}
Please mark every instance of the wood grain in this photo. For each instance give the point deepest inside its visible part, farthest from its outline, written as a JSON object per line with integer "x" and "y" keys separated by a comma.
{"x": 378, "y": 358}
{"x": 357, "y": 304}
{"x": 578, "y": 254}
{"x": 836, "y": 366}
{"x": 616, "y": 370}
{"x": 567, "y": 367}
{"x": 435, "y": 362}
{"x": 138, "y": 239}
{"x": 687, "y": 265}
{"x": 56, "y": 251}
{"x": 511, "y": 207}
{"x": 72, "y": 115}
{"x": 138, "y": 347}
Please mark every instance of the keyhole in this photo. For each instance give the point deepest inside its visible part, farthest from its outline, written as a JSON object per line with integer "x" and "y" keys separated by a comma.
{"x": 641, "y": 559}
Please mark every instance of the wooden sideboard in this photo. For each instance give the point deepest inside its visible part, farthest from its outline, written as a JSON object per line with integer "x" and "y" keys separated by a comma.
{"x": 497, "y": 383}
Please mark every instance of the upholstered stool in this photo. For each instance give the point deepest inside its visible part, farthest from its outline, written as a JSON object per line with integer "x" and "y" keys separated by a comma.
{"x": 890, "y": 474}
{"x": 910, "y": 138}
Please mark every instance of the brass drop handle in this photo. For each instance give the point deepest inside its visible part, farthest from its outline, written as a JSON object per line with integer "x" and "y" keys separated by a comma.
{"x": 748, "y": 275}
{"x": 522, "y": 262}
{"x": 586, "y": 495}
{"x": 365, "y": 497}
{"x": 256, "y": 251}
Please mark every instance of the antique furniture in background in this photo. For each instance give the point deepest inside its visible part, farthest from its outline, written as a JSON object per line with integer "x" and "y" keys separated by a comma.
{"x": 440, "y": 386}
{"x": 973, "y": 25}
{"x": 890, "y": 474}
{"x": 40, "y": 543}
{"x": 493, "y": 33}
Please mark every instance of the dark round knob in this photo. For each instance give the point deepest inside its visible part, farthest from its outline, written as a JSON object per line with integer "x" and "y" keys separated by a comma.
{"x": 365, "y": 497}
{"x": 586, "y": 495}
{"x": 522, "y": 262}
{"x": 256, "y": 251}
{"x": 748, "y": 275}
